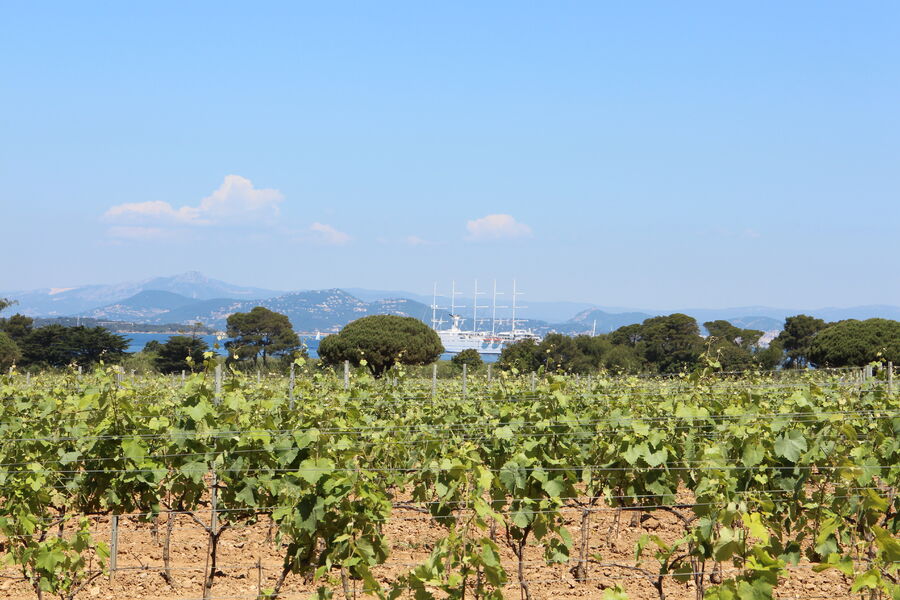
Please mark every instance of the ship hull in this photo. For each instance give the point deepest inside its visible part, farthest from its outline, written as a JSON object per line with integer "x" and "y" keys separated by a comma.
{"x": 454, "y": 343}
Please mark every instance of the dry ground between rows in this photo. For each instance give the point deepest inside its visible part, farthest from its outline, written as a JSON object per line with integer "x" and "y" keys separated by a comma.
{"x": 249, "y": 560}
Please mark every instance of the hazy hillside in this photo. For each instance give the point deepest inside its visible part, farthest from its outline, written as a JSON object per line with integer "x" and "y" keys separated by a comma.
{"x": 322, "y": 310}
{"x": 192, "y": 296}
{"x": 607, "y": 322}
{"x": 142, "y": 307}
{"x": 81, "y": 299}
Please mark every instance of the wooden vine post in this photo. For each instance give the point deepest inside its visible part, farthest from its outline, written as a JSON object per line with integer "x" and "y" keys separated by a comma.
{"x": 346, "y": 374}
{"x": 464, "y": 390}
{"x": 218, "y": 398}
{"x": 291, "y": 389}
{"x": 433, "y": 382}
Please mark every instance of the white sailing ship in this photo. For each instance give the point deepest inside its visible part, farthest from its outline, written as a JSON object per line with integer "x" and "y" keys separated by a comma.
{"x": 457, "y": 338}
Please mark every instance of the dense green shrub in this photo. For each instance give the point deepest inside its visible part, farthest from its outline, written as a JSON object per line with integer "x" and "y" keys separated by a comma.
{"x": 382, "y": 341}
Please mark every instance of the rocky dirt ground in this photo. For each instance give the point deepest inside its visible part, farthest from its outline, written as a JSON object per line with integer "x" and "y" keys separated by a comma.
{"x": 250, "y": 561}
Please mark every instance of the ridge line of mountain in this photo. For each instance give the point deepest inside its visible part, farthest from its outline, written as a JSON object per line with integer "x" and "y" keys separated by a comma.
{"x": 193, "y": 296}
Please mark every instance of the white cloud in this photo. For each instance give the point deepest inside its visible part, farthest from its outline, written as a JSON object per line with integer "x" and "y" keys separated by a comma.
{"x": 156, "y": 210}
{"x": 414, "y": 240}
{"x": 496, "y": 227}
{"x": 236, "y": 201}
{"x": 326, "y": 234}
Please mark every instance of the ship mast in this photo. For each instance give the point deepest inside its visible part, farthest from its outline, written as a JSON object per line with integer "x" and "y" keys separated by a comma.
{"x": 434, "y": 308}
{"x": 453, "y": 294}
{"x": 513, "y": 323}
{"x": 475, "y": 307}
{"x": 494, "y": 311}
{"x": 452, "y": 298}
{"x": 515, "y": 307}
{"x": 435, "y": 321}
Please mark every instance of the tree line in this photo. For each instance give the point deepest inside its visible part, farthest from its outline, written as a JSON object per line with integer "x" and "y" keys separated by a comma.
{"x": 256, "y": 336}
{"x": 673, "y": 343}
{"x": 664, "y": 344}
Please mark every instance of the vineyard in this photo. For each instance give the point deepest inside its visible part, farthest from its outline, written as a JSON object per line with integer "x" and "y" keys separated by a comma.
{"x": 231, "y": 485}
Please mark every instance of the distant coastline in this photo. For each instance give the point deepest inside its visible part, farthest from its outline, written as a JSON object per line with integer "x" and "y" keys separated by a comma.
{"x": 159, "y": 332}
{"x": 127, "y": 326}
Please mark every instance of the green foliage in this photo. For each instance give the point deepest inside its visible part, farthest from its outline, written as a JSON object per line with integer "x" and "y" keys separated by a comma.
{"x": 736, "y": 349}
{"x": 468, "y": 357}
{"x": 180, "y": 353}
{"x": 587, "y": 354}
{"x": 561, "y": 353}
{"x": 142, "y": 363}
{"x": 6, "y": 303}
{"x": 771, "y": 357}
{"x": 615, "y": 593}
{"x": 593, "y": 348}
{"x": 759, "y": 472}
{"x": 671, "y": 343}
{"x": 382, "y": 341}
{"x": 9, "y": 352}
{"x": 152, "y": 346}
{"x": 261, "y": 332}
{"x": 445, "y": 370}
{"x": 746, "y": 339}
{"x": 663, "y": 344}
{"x": 730, "y": 356}
{"x": 627, "y": 335}
{"x": 17, "y": 326}
{"x": 622, "y": 359}
{"x": 58, "y": 346}
{"x": 522, "y": 357}
{"x": 855, "y": 343}
{"x": 54, "y": 565}
{"x": 797, "y": 336}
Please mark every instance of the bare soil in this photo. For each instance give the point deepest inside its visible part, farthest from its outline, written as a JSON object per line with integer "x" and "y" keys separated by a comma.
{"x": 250, "y": 560}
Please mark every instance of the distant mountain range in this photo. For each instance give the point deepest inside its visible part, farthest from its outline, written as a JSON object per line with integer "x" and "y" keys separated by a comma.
{"x": 77, "y": 300}
{"x": 606, "y": 321}
{"x": 318, "y": 310}
{"x": 192, "y": 297}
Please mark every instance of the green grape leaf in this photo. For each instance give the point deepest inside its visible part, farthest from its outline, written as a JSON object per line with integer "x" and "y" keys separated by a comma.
{"x": 753, "y": 454}
{"x": 554, "y": 487}
{"x": 312, "y": 470}
{"x": 790, "y": 445}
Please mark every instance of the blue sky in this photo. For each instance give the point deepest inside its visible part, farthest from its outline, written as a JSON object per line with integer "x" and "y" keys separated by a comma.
{"x": 653, "y": 155}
